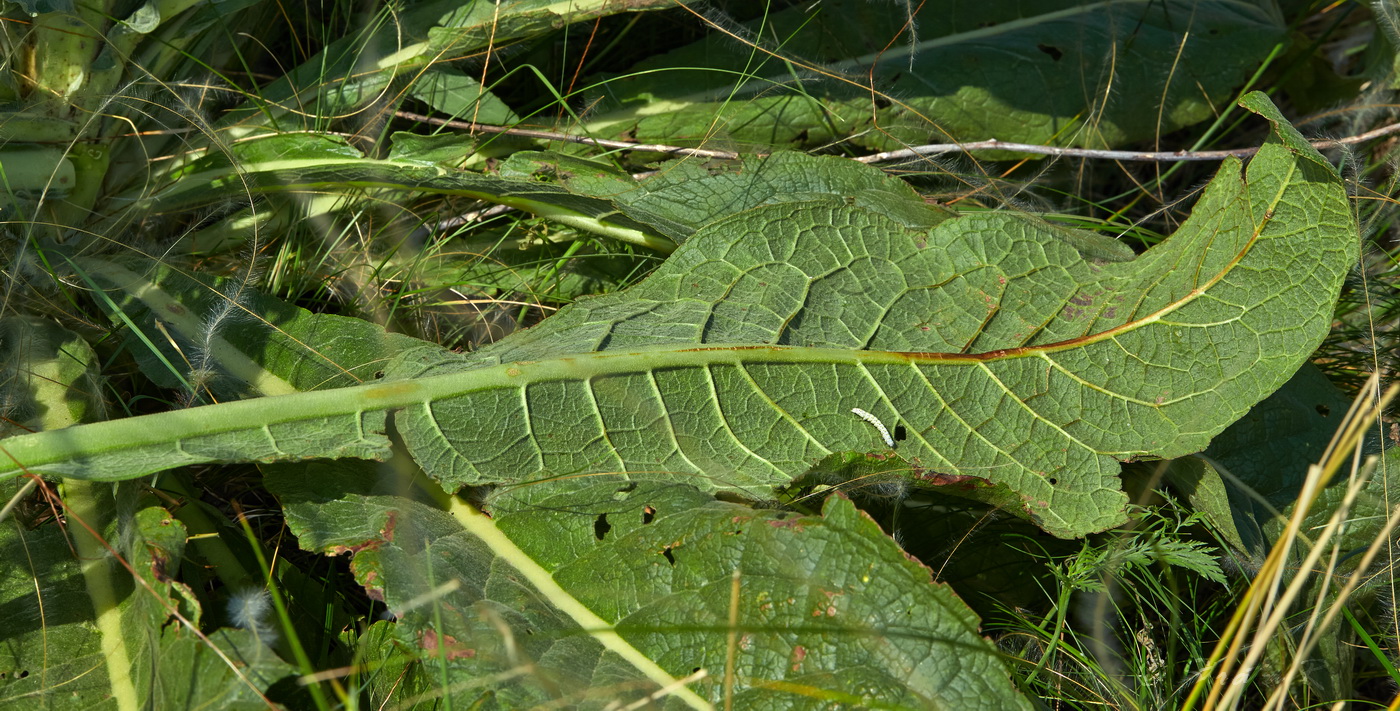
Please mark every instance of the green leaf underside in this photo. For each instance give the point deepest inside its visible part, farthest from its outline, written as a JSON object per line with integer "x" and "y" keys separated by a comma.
{"x": 829, "y": 609}
{"x": 1041, "y": 71}
{"x": 1001, "y": 351}
{"x": 1041, "y": 371}
{"x": 694, "y": 192}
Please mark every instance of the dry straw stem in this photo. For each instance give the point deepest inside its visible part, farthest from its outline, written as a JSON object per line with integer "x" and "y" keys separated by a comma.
{"x": 1263, "y": 598}
{"x": 905, "y": 153}
{"x": 1143, "y": 156}
{"x": 1312, "y": 633}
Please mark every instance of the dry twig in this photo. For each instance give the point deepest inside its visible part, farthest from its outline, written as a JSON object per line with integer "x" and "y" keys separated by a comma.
{"x": 907, "y": 153}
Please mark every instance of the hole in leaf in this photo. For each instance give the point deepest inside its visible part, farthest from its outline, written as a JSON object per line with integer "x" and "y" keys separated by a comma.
{"x": 900, "y": 434}
{"x": 669, "y": 558}
{"x": 378, "y": 374}
{"x": 1324, "y": 410}
{"x": 1054, "y": 52}
{"x": 648, "y": 515}
{"x": 601, "y": 526}
{"x": 1054, "y": 481}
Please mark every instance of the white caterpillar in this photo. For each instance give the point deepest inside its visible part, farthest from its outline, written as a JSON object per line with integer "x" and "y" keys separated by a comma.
{"x": 884, "y": 433}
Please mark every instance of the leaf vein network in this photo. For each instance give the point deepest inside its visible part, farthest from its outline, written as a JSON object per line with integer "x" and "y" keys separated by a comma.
{"x": 1032, "y": 411}
{"x": 670, "y": 425}
{"x": 966, "y": 425}
{"x": 1121, "y": 396}
{"x": 724, "y": 420}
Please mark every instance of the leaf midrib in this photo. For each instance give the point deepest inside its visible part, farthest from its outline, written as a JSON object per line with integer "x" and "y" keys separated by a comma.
{"x": 34, "y": 451}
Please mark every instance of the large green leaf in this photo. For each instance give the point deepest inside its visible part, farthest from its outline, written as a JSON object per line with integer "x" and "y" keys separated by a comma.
{"x": 607, "y": 588}
{"x": 1067, "y": 72}
{"x": 1000, "y": 350}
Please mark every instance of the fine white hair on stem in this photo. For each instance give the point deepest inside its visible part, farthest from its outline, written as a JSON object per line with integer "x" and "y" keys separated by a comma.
{"x": 884, "y": 433}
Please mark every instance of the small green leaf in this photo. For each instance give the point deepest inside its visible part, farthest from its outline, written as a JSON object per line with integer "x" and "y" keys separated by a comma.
{"x": 461, "y": 97}
{"x": 48, "y": 376}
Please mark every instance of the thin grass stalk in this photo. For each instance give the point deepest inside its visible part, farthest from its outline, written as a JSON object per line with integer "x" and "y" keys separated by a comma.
{"x": 1222, "y": 657}
{"x": 1318, "y": 475}
{"x": 1275, "y": 699}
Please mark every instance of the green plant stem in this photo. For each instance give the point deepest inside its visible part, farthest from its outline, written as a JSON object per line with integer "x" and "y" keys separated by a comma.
{"x": 1061, "y": 605}
{"x": 81, "y": 499}
{"x": 298, "y": 652}
{"x": 550, "y": 278}
{"x": 204, "y": 535}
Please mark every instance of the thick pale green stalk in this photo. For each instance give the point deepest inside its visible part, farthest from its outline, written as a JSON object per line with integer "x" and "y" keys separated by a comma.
{"x": 85, "y": 523}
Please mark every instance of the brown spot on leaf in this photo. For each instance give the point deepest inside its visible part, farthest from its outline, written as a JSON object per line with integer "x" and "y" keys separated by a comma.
{"x": 794, "y": 523}
{"x": 390, "y": 524}
{"x": 444, "y": 645}
{"x": 373, "y": 590}
{"x": 158, "y": 564}
{"x": 964, "y": 482}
